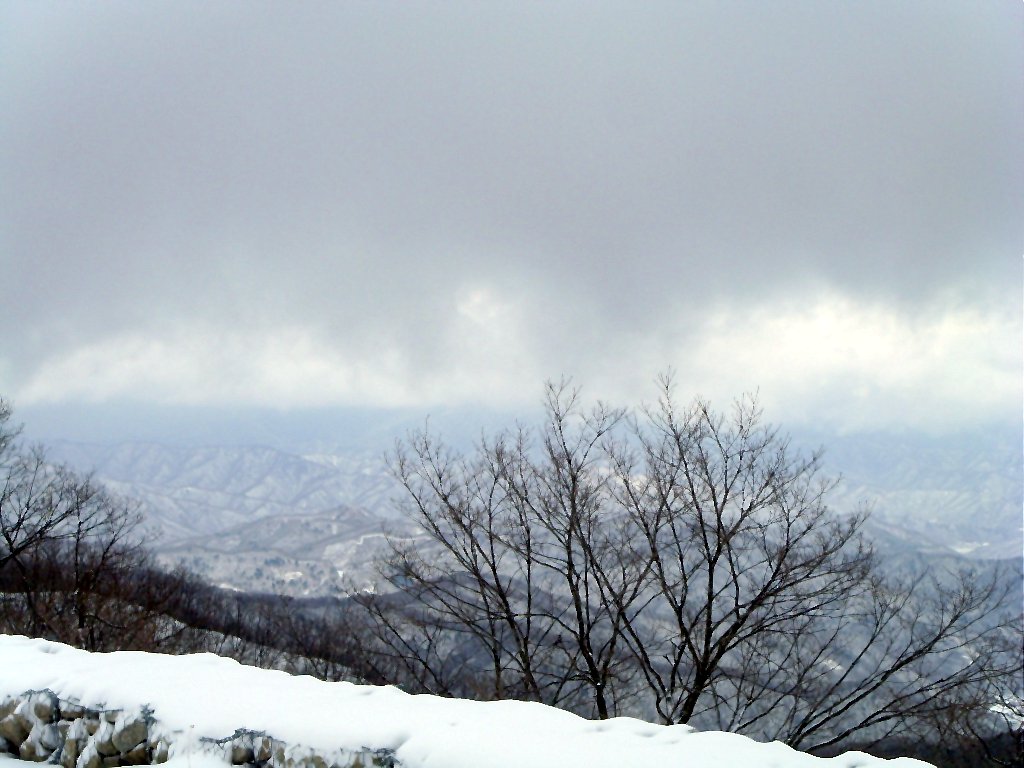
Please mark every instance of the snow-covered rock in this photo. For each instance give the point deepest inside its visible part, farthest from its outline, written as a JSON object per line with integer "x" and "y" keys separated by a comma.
{"x": 204, "y": 710}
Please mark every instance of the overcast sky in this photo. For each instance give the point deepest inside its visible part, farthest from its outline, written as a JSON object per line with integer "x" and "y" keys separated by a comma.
{"x": 442, "y": 204}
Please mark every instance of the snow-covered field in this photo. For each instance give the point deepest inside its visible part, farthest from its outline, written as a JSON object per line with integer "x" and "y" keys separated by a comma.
{"x": 207, "y": 696}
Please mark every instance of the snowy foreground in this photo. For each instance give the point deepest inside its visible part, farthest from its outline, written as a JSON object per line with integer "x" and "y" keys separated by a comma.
{"x": 207, "y": 696}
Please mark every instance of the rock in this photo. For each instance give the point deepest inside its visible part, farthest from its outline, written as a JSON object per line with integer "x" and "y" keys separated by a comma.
{"x": 129, "y": 734}
{"x": 78, "y": 730}
{"x": 28, "y": 751}
{"x": 25, "y": 716}
{"x": 69, "y": 755}
{"x": 103, "y": 740}
{"x": 46, "y": 736}
{"x": 13, "y": 729}
{"x": 44, "y": 706}
{"x": 241, "y": 754}
{"x": 89, "y": 758}
{"x": 160, "y": 752}
{"x": 75, "y": 742}
{"x": 70, "y": 711}
{"x": 310, "y": 761}
{"x": 137, "y": 756}
{"x": 263, "y": 749}
{"x": 39, "y": 727}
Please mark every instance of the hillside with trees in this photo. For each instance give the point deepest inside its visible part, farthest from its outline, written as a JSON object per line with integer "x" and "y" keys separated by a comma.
{"x": 673, "y": 563}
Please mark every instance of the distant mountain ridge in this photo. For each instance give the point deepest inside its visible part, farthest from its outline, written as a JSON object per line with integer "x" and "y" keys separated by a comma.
{"x": 966, "y": 494}
{"x": 260, "y": 518}
{"x": 251, "y": 517}
{"x": 207, "y": 489}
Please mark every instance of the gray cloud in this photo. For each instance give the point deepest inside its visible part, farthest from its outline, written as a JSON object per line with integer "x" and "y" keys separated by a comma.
{"x": 603, "y": 178}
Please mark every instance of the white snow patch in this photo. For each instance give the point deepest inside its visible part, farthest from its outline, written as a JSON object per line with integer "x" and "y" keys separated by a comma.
{"x": 204, "y": 695}
{"x": 969, "y": 546}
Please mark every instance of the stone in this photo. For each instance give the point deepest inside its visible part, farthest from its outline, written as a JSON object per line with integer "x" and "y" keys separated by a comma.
{"x": 103, "y": 740}
{"x": 13, "y": 729}
{"x": 28, "y": 751}
{"x": 129, "y": 734}
{"x": 44, "y": 706}
{"x": 70, "y": 711}
{"x": 136, "y": 756}
{"x": 263, "y": 749}
{"x": 78, "y": 731}
{"x": 23, "y": 714}
{"x": 89, "y": 758}
{"x": 241, "y": 754}
{"x": 69, "y": 755}
{"x": 47, "y": 736}
{"x": 39, "y": 727}
{"x": 160, "y": 752}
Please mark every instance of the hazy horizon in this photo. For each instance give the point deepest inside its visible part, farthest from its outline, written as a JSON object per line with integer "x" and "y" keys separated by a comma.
{"x": 374, "y": 430}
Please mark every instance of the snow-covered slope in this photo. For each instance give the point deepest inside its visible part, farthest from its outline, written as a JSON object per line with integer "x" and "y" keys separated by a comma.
{"x": 962, "y": 494}
{"x": 249, "y": 517}
{"x": 204, "y": 696}
{"x": 202, "y": 490}
{"x": 301, "y": 555}
{"x": 262, "y": 519}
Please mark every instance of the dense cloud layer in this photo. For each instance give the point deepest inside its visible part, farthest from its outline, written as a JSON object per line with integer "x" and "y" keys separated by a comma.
{"x": 388, "y": 204}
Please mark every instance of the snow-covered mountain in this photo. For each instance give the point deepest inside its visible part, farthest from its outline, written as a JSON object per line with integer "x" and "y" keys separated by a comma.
{"x": 306, "y": 554}
{"x": 964, "y": 494}
{"x": 253, "y": 518}
{"x": 189, "y": 491}
{"x": 258, "y": 518}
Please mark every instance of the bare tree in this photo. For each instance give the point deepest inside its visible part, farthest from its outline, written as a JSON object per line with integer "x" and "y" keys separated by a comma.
{"x": 71, "y": 562}
{"x": 474, "y": 597}
{"x": 515, "y": 576}
{"x": 679, "y": 564}
{"x": 770, "y": 613}
{"x": 741, "y": 541}
{"x": 562, "y": 497}
{"x": 37, "y": 500}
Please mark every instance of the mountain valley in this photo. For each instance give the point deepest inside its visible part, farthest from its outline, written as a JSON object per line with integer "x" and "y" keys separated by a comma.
{"x": 260, "y": 519}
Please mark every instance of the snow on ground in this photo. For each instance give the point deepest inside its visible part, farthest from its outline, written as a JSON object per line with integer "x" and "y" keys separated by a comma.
{"x": 208, "y": 696}
{"x": 181, "y": 761}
